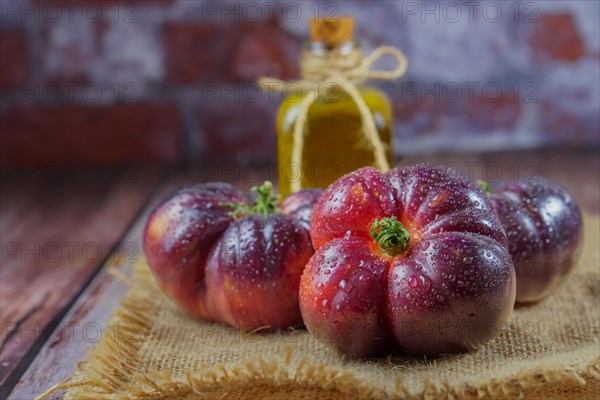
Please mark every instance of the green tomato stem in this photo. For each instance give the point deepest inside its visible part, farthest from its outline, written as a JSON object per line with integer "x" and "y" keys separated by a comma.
{"x": 266, "y": 199}
{"x": 484, "y": 185}
{"x": 391, "y": 235}
{"x": 265, "y": 203}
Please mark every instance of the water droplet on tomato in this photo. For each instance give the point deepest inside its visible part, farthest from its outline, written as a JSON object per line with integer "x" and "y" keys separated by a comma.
{"x": 413, "y": 282}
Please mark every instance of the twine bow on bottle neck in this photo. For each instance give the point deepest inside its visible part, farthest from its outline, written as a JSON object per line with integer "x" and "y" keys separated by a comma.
{"x": 322, "y": 74}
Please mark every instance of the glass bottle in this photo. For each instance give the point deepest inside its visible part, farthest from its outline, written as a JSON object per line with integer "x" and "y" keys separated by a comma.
{"x": 334, "y": 143}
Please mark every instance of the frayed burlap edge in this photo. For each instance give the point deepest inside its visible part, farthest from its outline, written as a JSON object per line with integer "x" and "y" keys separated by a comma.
{"x": 109, "y": 372}
{"x": 275, "y": 373}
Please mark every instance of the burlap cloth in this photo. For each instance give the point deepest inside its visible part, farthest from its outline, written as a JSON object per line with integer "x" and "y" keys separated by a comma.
{"x": 153, "y": 350}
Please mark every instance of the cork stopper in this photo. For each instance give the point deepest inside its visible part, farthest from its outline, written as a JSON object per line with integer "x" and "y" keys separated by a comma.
{"x": 332, "y": 30}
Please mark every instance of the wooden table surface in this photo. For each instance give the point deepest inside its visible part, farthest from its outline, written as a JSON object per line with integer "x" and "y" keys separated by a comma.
{"x": 63, "y": 228}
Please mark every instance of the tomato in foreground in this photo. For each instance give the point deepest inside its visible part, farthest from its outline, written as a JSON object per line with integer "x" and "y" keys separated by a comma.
{"x": 413, "y": 261}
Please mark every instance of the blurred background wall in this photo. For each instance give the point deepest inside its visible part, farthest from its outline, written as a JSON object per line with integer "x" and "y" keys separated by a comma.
{"x": 173, "y": 81}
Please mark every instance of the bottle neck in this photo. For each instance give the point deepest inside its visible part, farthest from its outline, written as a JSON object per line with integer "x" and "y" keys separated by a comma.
{"x": 322, "y": 49}
{"x": 322, "y": 59}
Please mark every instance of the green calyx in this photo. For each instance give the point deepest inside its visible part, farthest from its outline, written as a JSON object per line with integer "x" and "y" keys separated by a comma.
{"x": 266, "y": 199}
{"x": 265, "y": 203}
{"x": 484, "y": 185}
{"x": 391, "y": 235}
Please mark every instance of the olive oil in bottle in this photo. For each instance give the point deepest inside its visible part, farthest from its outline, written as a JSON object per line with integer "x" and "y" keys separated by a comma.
{"x": 334, "y": 140}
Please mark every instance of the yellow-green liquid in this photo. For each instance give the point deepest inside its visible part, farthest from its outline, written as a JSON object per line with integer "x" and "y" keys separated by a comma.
{"x": 334, "y": 141}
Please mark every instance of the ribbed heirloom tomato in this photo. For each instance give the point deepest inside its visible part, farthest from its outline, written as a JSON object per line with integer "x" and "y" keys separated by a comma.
{"x": 224, "y": 256}
{"x": 544, "y": 229}
{"x": 412, "y": 261}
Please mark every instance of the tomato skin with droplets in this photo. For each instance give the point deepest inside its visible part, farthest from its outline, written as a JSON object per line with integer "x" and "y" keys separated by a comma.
{"x": 451, "y": 290}
{"x": 244, "y": 272}
{"x": 300, "y": 204}
{"x": 544, "y": 229}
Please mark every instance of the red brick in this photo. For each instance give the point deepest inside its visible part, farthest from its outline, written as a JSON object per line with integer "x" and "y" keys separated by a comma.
{"x": 407, "y": 114}
{"x": 424, "y": 115}
{"x": 14, "y": 60}
{"x": 126, "y": 5}
{"x": 491, "y": 113}
{"x": 238, "y": 131}
{"x": 195, "y": 52}
{"x": 74, "y": 59}
{"x": 265, "y": 50}
{"x": 568, "y": 128}
{"x": 427, "y": 114}
{"x": 555, "y": 37}
{"x": 112, "y": 134}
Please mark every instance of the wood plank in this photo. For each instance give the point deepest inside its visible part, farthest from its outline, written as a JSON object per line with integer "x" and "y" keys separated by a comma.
{"x": 56, "y": 229}
{"x": 67, "y": 345}
{"x": 577, "y": 170}
{"x": 69, "y": 342}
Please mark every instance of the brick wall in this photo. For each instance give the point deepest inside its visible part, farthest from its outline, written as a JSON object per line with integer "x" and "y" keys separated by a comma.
{"x": 166, "y": 81}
